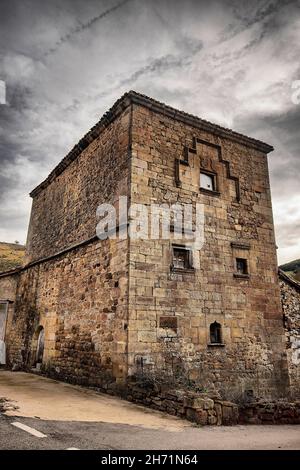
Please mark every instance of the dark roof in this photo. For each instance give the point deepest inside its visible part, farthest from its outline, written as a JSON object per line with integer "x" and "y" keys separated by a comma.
{"x": 292, "y": 282}
{"x": 158, "y": 107}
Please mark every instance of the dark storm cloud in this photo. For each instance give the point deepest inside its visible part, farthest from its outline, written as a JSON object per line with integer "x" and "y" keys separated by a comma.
{"x": 283, "y": 130}
{"x": 66, "y": 62}
{"x": 81, "y": 27}
{"x": 154, "y": 67}
{"x": 263, "y": 13}
{"x": 162, "y": 64}
{"x": 284, "y": 163}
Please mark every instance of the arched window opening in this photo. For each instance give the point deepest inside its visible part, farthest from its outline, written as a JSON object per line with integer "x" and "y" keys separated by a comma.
{"x": 215, "y": 333}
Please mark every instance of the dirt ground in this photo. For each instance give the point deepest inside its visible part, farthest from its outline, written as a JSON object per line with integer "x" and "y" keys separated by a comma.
{"x": 37, "y": 396}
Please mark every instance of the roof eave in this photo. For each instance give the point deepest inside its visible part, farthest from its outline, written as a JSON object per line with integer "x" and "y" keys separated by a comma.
{"x": 133, "y": 97}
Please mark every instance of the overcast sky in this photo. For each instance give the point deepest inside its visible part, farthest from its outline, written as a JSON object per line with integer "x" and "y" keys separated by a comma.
{"x": 66, "y": 61}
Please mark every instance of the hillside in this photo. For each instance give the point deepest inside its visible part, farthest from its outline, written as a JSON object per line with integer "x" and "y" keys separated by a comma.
{"x": 292, "y": 269}
{"x": 11, "y": 255}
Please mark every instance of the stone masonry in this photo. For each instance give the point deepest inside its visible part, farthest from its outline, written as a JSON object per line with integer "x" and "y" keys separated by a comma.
{"x": 290, "y": 295}
{"x": 116, "y": 309}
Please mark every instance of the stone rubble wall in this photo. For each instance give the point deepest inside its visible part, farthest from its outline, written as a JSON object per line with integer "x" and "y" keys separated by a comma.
{"x": 8, "y": 288}
{"x": 290, "y": 297}
{"x": 64, "y": 212}
{"x": 270, "y": 413}
{"x": 205, "y": 409}
{"x": 208, "y": 409}
{"x": 80, "y": 299}
{"x": 197, "y": 407}
{"x": 75, "y": 285}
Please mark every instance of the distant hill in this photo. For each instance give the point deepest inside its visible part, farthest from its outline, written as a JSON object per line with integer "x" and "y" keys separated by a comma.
{"x": 292, "y": 269}
{"x": 11, "y": 255}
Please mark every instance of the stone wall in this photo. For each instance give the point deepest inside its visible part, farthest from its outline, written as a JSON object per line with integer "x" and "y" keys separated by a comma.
{"x": 290, "y": 296}
{"x": 114, "y": 308}
{"x": 75, "y": 286}
{"x": 8, "y": 287}
{"x": 204, "y": 409}
{"x": 238, "y": 223}
{"x": 196, "y": 407}
{"x": 80, "y": 299}
{"x": 268, "y": 412}
{"x": 64, "y": 211}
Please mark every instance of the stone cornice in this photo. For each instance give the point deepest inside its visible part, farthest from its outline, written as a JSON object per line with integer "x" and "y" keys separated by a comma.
{"x": 197, "y": 122}
{"x": 133, "y": 97}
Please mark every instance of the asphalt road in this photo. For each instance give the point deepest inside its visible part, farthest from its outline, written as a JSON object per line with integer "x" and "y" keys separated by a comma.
{"x": 74, "y": 417}
{"x": 105, "y": 436}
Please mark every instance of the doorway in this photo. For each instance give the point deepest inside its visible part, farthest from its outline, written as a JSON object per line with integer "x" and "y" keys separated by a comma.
{"x": 40, "y": 346}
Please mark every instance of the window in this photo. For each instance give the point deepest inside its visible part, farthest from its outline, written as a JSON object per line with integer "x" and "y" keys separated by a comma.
{"x": 207, "y": 181}
{"x": 215, "y": 333}
{"x": 241, "y": 266}
{"x": 182, "y": 258}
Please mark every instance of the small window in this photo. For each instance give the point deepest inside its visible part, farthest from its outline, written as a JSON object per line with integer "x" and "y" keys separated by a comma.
{"x": 241, "y": 266}
{"x": 207, "y": 181}
{"x": 182, "y": 257}
{"x": 215, "y": 333}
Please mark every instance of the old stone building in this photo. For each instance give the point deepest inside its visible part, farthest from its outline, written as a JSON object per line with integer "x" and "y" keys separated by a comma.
{"x": 96, "y": 311}
{"x": 290, "y": 296}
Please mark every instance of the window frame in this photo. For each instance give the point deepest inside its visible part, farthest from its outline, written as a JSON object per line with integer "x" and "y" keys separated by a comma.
{"x": 217, "y": 333}
{"x": 244, "y": 261}
{"x": 241, "y": 251}
{"x": 188, "y": 260}
{"x": 214, "y": 176}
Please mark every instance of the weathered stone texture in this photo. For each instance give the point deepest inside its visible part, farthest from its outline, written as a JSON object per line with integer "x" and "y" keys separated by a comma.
{"x": 81, "y": 301}
{"x": 248, "y": 309}
{"x": 194, "y": 406}
{"x": 80, "y": 296}
{"x": 117, "y": 308}
{"x": 290, "y": 296}
{"x": 268, "y": 412}
{"x": 8, "y": 287}
{"x": 64, "y": 212}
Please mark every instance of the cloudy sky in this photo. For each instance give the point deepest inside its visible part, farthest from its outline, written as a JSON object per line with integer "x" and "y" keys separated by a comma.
{"x": 65, "y": 62}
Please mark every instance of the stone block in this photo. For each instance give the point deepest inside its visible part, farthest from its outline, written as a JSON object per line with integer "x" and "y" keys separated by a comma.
{"x": 147, "y": 336}
{"x": 230, "y": 414}
{"x": 197, "y": 416}
{"x": 198, "y": 402}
